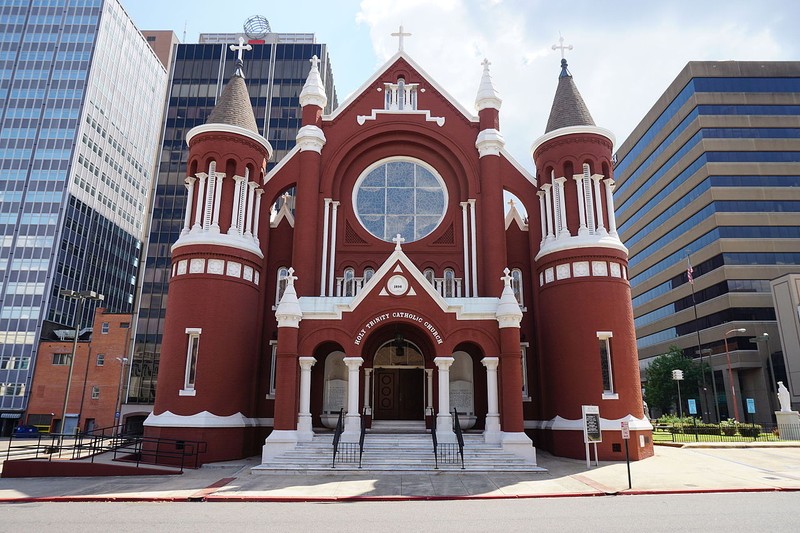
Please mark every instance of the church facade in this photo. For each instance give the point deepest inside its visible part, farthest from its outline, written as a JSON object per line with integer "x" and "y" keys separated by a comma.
{"x": 378, "y": 270}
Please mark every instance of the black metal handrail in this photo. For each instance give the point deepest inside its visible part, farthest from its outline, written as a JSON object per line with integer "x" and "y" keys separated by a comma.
{"x": 459, "y": 436}
{"x": 361, "y": 438}
{"x": 337, "y": 434}
{"x": 435, "y": 443}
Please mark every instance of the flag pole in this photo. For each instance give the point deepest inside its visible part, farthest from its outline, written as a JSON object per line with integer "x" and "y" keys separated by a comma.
{"x": 704, "y": 403}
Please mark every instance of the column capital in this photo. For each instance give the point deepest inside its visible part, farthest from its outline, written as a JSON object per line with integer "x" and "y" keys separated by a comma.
{"x": 353, "y": 363}
{"x": 443, "y": 363}
{"x": 306, "y": 362}
{"x": 491, "y": 363}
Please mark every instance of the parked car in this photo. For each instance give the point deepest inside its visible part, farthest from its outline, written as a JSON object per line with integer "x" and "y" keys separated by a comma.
{"x": 26, "y": 431}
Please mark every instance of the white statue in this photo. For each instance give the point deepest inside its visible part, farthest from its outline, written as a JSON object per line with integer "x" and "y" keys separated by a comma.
{"x": 783, "y": 397}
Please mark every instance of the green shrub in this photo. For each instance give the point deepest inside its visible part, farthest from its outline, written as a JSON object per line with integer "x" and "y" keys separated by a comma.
{"x": 749, "y": 430}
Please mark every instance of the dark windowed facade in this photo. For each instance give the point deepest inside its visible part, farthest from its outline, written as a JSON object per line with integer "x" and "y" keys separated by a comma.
{"x": 275, "y": 71}
{"x": 711, "y": 178}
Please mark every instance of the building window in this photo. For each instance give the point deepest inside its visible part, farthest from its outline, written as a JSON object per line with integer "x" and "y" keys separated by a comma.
{"x": 104, "y": 329}
{"x": 125, "y": 325}
{"x": 95, "y": 392}
{"x": 101, "y": 359}
{"x": 400, "y": 196}
{"x": 15, "y": 363}
{"x": 273, "y": 345}
{"x": 281, "y": 284}
{"x": 12, "y": 389}
{"x": 429, "y": 275}
{"x": 449, "y": 283}
{"x": 606, "y": 368}
{"x": 61, "y": 358}
{"x": 516, "y": 285}
{"x": 526, "y": 395}
{"x": 193, "y": 345}
{"x": 368, "y": 273}
{"x": 349, "y": 282}
{"x": 401, "y": 96}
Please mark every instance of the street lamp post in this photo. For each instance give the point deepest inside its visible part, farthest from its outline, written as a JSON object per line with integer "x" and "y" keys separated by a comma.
{"x": 730, "y": 371}
{"x": 677, "y": 376}
{"x": 764, "y": 337}
{"x": 81, "y": 296}
{"x": 118, "y": 406}
{"x": 704, "y": 395}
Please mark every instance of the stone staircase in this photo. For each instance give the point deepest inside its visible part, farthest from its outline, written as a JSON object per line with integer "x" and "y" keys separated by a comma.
{"x": 396, "y": 452}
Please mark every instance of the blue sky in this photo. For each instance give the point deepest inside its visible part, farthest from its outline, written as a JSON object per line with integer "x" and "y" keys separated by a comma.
{"x": 625, "y": 52}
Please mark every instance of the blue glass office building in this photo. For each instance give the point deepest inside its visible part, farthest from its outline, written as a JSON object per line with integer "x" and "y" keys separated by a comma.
{"x": 276, "y": 69}
{"x": 80, "y": 105}
{"x": 711, "y": 178}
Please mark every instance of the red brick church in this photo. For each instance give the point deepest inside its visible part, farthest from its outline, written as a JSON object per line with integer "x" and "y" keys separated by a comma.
{"x": 379, "y": 269}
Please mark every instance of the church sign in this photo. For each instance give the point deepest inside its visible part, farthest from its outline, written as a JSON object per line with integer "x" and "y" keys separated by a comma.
{"x": 402, "y": 315}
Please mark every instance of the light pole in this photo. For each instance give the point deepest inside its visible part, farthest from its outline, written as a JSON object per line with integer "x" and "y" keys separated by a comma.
{"x": 677, "y": 376}
{"x": 704, "y": 395}
{"x": 81, "y": 296}
{"x": 771, "y": 385}
{"x": 118, "y": 406}
{"x": 730, "y": 371}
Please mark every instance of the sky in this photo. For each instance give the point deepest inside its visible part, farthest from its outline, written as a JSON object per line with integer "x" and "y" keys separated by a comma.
{"x": 625, "y": 53}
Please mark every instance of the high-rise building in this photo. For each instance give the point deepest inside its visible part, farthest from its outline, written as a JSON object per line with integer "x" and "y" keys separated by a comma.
{"x": 80, "y": 94}
{"x": 708, "y": 203}
{"x": 276, "y": 69}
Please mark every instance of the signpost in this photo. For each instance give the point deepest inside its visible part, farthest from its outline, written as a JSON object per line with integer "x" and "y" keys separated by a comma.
{"x": 591, "y": 431}
{"x": 692, "y": 406}
{"x": 626, "y": 436}
{"x": 751, "y": 409}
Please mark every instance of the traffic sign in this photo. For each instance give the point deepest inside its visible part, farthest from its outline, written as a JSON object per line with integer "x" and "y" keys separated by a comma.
{"x": 626, "y": 429}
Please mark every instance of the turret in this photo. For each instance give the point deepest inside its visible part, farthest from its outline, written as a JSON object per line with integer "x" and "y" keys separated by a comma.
{"x": 212, "y": 328}
{"x": 582, "y": 289}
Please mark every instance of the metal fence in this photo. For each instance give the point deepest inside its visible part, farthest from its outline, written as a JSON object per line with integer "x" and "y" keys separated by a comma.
{"x": 729, "y": 432}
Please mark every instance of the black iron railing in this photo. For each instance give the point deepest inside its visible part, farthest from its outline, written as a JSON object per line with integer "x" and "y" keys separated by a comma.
{"x": 435, "y": 443}
{"x": 337, "y": 435}
{"x": 459, "y": 436}
{"x": 361, "y": 438}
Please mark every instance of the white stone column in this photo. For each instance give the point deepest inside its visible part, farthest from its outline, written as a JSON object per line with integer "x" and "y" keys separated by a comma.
{"x": 187, "y": 217}
{"x": 251, "y": 193}
{"x": 259, "y": 193}
{"x": 564, "y": 232}
{"x": 235, "y": 228}
{"x": 464, "y": 207}
{"x": 429, "y": 396}
{"x": 444, "y": 419}
{"x": 542, "y": 211}
{"x": 612, "y": 220}
{"x": 601, "y": 225}
{"x": 323, "y": 278}
{"x": 473, "y": 247}
{"x": 583, "y": 228}
{"x": 352, "y": 422}
{"x": 334, "y": 212}
{"x": 217, "y": 200}
{"x": 304, "y": 431}
{"x": 367, "y": 377}
{"x": 492, "y": 433}
{"x": 198, "y": 212}
{"x": 548, "y": 200}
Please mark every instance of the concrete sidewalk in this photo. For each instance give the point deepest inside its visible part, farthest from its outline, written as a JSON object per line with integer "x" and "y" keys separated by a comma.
{"x": 690, "y": 468}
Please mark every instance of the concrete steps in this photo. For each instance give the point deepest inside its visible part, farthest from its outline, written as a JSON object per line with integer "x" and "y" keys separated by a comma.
{"x": 396, "y": 452}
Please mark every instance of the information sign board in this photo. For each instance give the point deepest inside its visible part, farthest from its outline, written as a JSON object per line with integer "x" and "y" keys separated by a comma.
{"x": 591, "y": 424}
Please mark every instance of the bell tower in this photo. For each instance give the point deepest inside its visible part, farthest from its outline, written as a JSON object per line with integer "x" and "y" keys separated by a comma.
{"x": 212, "y": 331}
{"x": 583, "y": 295}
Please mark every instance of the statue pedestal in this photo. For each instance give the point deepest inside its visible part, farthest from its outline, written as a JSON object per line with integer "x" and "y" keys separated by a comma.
{"x": 788, "y": 424}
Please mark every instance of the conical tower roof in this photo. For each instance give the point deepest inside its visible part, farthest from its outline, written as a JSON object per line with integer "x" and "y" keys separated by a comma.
{"x": 568, "y": 109}
{"x": 233, "y": 106}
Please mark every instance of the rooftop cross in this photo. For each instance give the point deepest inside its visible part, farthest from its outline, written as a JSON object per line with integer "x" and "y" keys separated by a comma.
{"x": 486, "y": 63}
{"x": 239, "y": 61}
{"x": 314, "y": 62}
{"x": 400, "y": 34}
{"x": 399, "y": 240}
{"x": 507, "y": 278}
{"x": 290, "y": 277}
{"x": 561, "y": 46}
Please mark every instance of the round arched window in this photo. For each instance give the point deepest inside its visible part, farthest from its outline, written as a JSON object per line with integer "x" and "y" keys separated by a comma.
{"x": 400, "y": 196}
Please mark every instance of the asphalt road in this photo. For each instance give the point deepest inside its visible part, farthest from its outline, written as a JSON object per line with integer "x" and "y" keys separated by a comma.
{"x": 728, "y": 512}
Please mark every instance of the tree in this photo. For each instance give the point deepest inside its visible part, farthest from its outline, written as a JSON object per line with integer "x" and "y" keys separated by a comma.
{"x": 661, "y": 391}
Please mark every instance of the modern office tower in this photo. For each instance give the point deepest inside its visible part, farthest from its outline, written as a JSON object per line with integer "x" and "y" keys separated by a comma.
{"x": 275, "y": 70}
{"x": 80, "y": 94}
{"x": 710, "y": 179}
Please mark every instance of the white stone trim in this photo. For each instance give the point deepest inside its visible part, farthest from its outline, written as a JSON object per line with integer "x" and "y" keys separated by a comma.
{"x": 310, "y": 138}
{"x": 559, "y": 423}
{"x": 581, "y": 241}
{"x": 221, "y": 267}
{"x": 324, "y": 266}
{"x": 187, "y": 392}
{"x": 489, "y": 142}
{"x": 571, "y": 130}
{"x": 182, "y": 267}
{"x": 361, "y": 119}
{"x": 197, "y": 265}
{"x": 233, "y": 269}
{"x": 563, "y": 271}
{"x": 616, "y": 271}
{"x": 229, "y": 128}
{"x": 599, "y": 268}
{"x": 473, "y": 247}
{"x": 464, "y": 223}
{"x": 334, "y": 217}
{"x": 215, "y": 266}
{"x": 187, "y": 217}
{"x": 205, "y": 419}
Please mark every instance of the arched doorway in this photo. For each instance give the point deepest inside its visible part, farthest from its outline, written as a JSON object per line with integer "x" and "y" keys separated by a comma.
{"x": 399, "y": 381}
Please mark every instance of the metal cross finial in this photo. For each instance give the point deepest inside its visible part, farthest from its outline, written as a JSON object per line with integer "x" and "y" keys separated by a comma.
{"x": 486, "y": 63}
{"x": 290, "y": 277}
{"x": 241, "y": 47}
{"x": 561, "y": 46}
{"x": 314, "y": 62}
{"x": 400, "y": 34}
{"x": 399, "y": 240}
{"x": 507, "y": 278}
{"x": 511, "y": 202}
